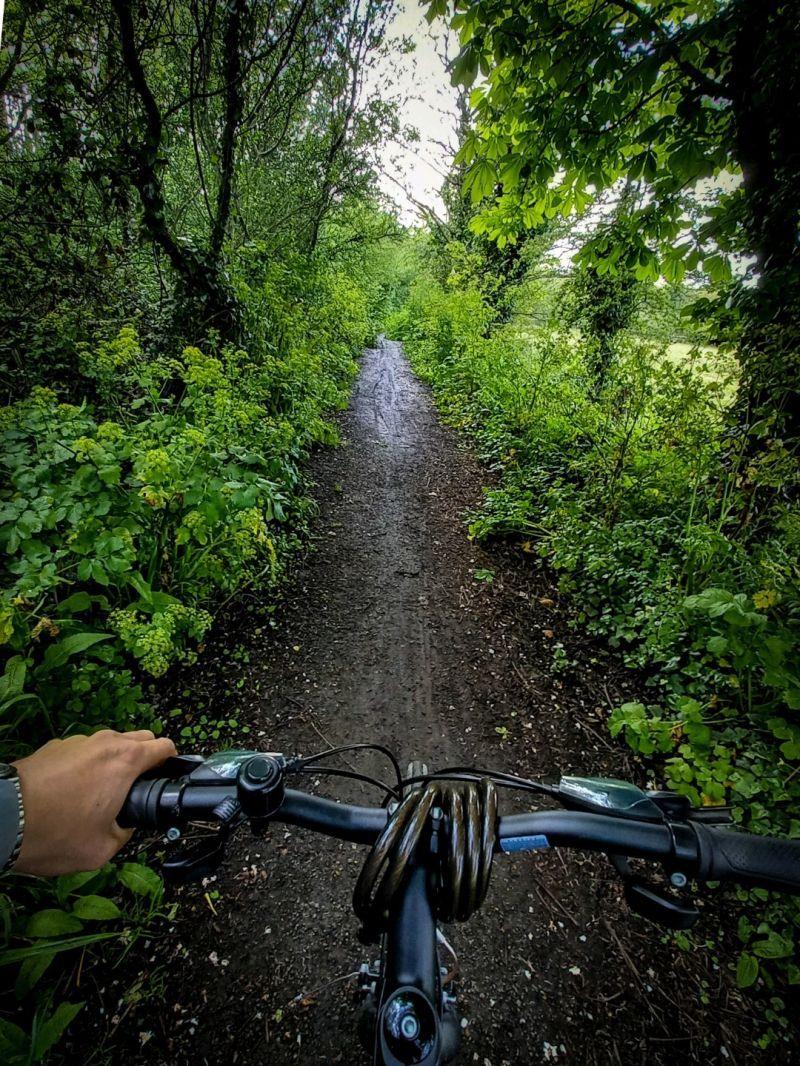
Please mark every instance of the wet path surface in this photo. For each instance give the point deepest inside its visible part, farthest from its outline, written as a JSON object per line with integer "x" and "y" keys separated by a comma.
{"x": 387, "y": 635}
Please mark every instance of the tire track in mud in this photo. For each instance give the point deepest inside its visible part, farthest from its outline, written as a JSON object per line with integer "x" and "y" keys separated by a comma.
{"x": 386, "y": 635}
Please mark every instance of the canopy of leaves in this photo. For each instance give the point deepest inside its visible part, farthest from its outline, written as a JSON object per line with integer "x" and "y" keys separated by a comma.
{"x": 691, "y": 102}
{"x": 576, "y": 95}
{"x": 143, "y": 144}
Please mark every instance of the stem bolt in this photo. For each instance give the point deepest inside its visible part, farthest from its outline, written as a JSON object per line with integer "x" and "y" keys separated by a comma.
{"x": 678, "y": 880}
{"x": 409, "y": 1027}
{"x": 173, "y": 834}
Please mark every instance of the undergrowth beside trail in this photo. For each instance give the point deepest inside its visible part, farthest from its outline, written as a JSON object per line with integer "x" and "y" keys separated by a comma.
{"x": 621, "y": 494}
{"x": 127, "y": 519}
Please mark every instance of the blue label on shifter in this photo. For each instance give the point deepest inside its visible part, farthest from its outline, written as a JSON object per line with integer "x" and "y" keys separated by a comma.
{"x": 532, "y": 843}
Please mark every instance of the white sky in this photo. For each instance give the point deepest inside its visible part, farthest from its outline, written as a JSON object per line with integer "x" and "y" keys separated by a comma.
{"x": 416, "y": 171}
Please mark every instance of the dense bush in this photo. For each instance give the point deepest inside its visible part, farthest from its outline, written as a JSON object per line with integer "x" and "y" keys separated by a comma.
{"x": 623, "y": 497}
{"x": 125, "y": 520}
{"x": 191, "y": 252}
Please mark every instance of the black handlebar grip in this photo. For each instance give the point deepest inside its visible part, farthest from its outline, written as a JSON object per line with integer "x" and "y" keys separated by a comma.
{"x": 141, "y": 808}
{"x": 752, "y": 861}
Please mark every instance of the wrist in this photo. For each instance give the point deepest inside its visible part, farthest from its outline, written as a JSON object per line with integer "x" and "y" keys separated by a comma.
{"x": 12, "y": 816}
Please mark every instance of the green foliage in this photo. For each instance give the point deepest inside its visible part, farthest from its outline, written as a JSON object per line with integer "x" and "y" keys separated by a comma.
{"x": 120, "y": 533}
{"x": 132, "y": 173}
{"x": 562, "y": 112}
{"x": 124, "y": 522}
{"x": 603, "y": 303}
{"x": 621, "y": 494}
{"x": 44, "y": 922}
{"x": 192, "y": 257}
{"x": 685, "y": 108}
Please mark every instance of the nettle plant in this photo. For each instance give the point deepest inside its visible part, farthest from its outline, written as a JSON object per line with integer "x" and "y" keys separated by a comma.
{"x": 119, "y": 533}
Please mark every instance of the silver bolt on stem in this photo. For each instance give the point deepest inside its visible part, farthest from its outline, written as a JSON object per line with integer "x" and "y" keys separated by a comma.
{"x": 173, "y": 834}
{"x": 678, "y": 880}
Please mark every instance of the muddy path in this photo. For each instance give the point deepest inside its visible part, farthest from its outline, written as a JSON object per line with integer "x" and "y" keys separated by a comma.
{"x": 386, "y": 634}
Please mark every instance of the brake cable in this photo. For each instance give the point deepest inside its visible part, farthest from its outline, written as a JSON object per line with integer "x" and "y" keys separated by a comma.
{"x": 457, "y": 820}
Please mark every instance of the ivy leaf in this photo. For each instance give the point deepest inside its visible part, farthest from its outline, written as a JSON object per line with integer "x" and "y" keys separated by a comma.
{"x": 791, "y": 749}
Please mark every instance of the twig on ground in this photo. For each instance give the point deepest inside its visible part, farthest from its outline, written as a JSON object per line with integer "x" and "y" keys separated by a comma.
{"x": 520, "y": 675}
{"x": 557, "y": 902}
{"x": 595, "y": 734}
{"x": 301, "y": 996}
{"x": 623, "y": 952}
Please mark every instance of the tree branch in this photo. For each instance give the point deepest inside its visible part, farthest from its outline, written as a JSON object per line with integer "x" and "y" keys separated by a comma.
{"x": 145, "y": 174}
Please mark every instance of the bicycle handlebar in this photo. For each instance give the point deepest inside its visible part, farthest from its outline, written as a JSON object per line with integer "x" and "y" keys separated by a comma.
{"x": 704, "y": 852}
{"x": 749, "y": 860}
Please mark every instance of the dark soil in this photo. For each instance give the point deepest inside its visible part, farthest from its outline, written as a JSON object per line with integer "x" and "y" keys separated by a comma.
{"x": 390, "y": 633}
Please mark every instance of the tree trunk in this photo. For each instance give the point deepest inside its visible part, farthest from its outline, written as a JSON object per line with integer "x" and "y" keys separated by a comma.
{"x": 765, "y": 90}
{"x": 204, "y": 301}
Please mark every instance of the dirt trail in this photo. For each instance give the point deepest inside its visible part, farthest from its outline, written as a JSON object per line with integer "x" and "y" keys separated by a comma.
{"x": 387, "y": 635}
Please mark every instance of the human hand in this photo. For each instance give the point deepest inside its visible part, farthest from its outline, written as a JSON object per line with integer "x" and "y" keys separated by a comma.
{"x": 72, "y": 792}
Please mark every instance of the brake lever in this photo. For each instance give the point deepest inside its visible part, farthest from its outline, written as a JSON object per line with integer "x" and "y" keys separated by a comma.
{"x": 193, "y": 862}
{"x": 648, "y": 901}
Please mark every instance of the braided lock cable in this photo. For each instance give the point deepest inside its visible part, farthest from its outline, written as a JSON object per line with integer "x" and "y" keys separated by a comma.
{"x": 465, "y": 850}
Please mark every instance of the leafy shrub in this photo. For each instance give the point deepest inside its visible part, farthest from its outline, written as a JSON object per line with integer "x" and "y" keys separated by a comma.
{"x": 645, "y": 509}
{"x": 45, "y": 921}
{"x": 123, "y": 522}
{"x": 119, "y": 532}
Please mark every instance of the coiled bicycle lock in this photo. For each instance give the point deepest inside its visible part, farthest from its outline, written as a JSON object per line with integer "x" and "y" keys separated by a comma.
{"x": 456, "y": 821}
